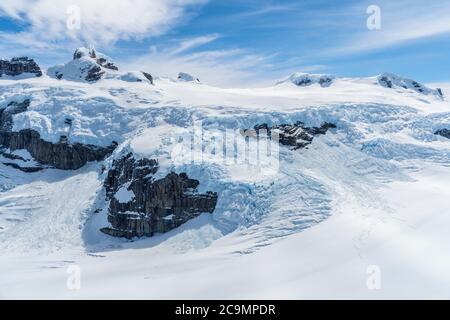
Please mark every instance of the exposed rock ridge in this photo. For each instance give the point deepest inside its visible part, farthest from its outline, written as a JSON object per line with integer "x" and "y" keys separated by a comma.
{"x": 391, "y": 81}
{"x": 296, "y": 135}
{"x": 443, "y": 132}
{"x": 18, "y": 66}
{"x": 156, "y": 206}
{"x": 305, "y": 79}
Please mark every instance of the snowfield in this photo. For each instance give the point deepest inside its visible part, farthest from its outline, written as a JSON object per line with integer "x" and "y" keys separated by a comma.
{"x": 368, "y": 199}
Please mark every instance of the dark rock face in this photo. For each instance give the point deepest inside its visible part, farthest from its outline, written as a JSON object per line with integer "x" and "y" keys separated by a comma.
{"x": 324, "y": 82}
{"x": 94, "y": 74}
{"x": 148, "y": 76}
{"x": 385, "y": 82}
{"x": 107, "y": 64}
{"x": 6, "y": 115}
{"x": 18, "y": 66}
{"x": 158, "y": 206}
{"x": 444, "y": 133}
{"x": 60, "y": 155}
{"x": 23, "y": 169}
{"x": 296, "y": 135}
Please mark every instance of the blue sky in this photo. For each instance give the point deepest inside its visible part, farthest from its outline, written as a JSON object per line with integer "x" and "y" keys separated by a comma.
{"x": 238, "y": 43}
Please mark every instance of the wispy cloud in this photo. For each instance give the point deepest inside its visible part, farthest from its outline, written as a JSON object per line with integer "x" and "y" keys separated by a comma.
{"x": 265, "y": 9}
{"x": 222, "y": 67}
{"x": 188, "y": 44}
{"x": 101, "y": 21}
{"x": 402, "y": 22}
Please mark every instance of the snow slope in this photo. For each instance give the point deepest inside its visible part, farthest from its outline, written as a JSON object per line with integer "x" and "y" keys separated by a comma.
{"x": 372, "y": 192}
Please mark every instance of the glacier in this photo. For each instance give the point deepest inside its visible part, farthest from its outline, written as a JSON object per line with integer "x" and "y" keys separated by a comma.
{"x": 372, "y": 191}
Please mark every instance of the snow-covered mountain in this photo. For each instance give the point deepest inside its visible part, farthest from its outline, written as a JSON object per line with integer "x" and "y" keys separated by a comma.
{"x": 130, "y": 177}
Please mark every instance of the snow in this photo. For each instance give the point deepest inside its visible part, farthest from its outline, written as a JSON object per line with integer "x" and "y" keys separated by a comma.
{"x": 305, "y": 224}
{"x": 25, "y": 75}
{"x": 328, "y": 261}
{"x": 123, "y": 195}
{"x": 133, "y": 76}
{"x": 186, "y": 77}
{"x": 394, "y": 81}
{"x": 78, "y": 68}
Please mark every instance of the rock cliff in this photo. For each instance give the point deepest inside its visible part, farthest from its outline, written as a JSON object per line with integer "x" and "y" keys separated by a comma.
{"x": 141, "y": 206}
{"x": 19, "y": 66}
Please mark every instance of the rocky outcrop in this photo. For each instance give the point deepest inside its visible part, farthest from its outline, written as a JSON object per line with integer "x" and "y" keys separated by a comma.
{"x": 140, "y": 206}
{"x": 99, "y": 58}
{"x": 306, "y": 79}
{"x": 23, "y": 169}
{"x": 19, "y": 163}
{"x": 62, "y": 155}
{"x": 443, "y": 132}
{"x": 136, "y": 76}
{"x": 186, "y": 77}
{"x": 94, "y": 74}
{"x": 6, "y": 114}
{"x": 87, "y": 65}
{"x": 19, "y": 66}
{"x": 392, "y": 81}
{"x": 148, "y": 76}
{"x": 296, "y": 135}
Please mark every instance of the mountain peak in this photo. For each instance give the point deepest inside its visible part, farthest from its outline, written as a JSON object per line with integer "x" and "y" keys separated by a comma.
{"x": 307, "y": 79}
{"x": 392, "y": 81}
{"x": 186, "y": 77}
{"x": 87, "y": 65}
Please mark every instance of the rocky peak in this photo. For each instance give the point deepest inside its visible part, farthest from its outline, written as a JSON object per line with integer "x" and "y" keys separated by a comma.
{"x": 393, "y": 81}
{"x": 87, "y": 65}
{"x": 297, "y": 135}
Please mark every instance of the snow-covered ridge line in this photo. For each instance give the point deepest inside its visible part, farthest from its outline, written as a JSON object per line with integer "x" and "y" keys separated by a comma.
{"x": 387, "y": 80}
{"x": 90, "y": 66}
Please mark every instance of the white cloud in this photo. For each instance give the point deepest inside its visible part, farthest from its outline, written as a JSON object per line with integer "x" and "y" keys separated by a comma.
{"x": 102, "y": 21}
{"x": 401, "y": 22}
{"x": 194, "y": 42}
{"x": 225, "y": 67}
